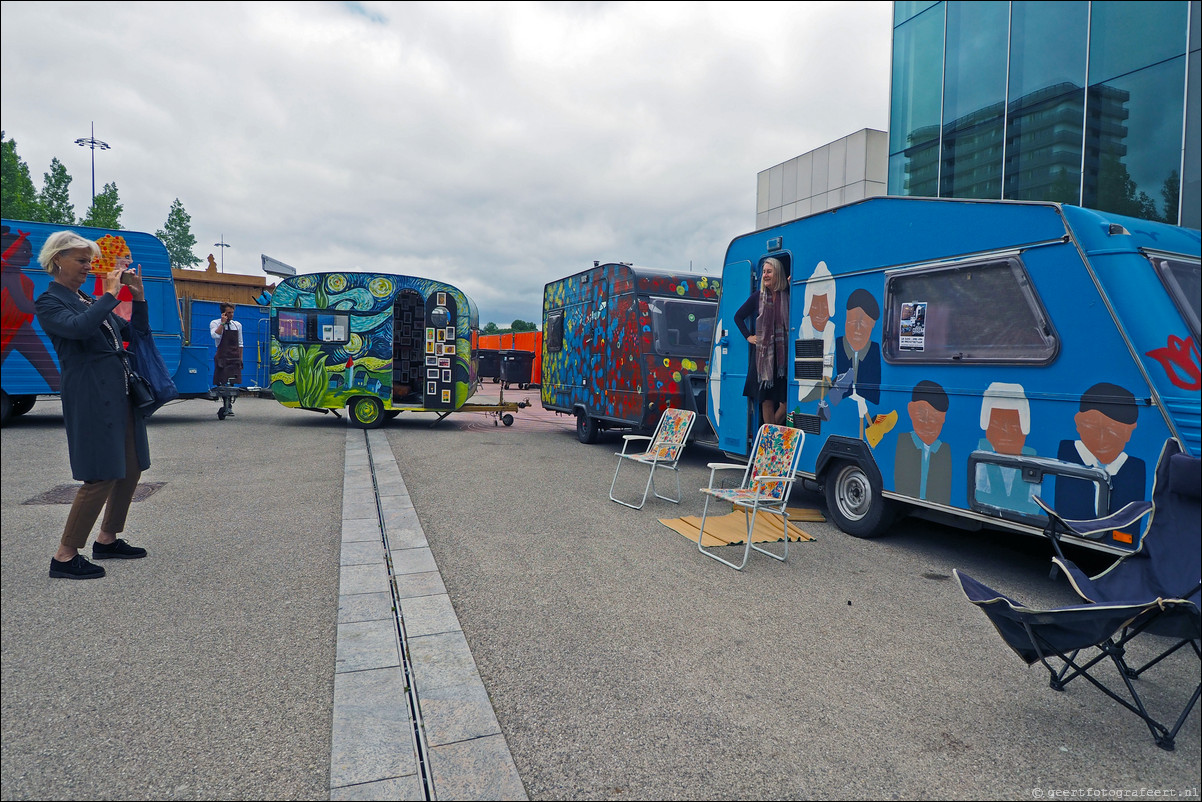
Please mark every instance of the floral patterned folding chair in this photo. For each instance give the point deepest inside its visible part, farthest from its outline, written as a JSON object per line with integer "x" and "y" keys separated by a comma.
{"x": 767, "y": 481}
{"x": 663, "y": 451}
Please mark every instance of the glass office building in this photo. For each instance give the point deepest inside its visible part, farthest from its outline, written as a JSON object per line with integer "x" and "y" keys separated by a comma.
{"x": 1090, "y": 103}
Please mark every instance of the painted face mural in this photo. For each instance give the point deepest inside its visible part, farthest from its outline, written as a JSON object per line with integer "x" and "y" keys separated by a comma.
{"x": 819, "y": 312}
{"x": 928, "y": 421}
{"x": 1005, "y": 431}
{"x": 858, "y": 329}
{"x": 1105, "y": 437}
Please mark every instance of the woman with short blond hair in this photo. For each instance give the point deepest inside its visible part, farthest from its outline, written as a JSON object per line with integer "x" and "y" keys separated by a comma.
{"x": 106, "y": 437}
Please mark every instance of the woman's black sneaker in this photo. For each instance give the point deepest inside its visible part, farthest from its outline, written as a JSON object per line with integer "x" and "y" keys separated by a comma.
{"x": 75, "y": 568}
{"x": 117, "y": 550}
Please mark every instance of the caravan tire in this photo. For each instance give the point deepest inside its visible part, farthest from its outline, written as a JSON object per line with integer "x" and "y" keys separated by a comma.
{"x": 587, "y": 428}
{"x": 855, "y": 501}
{"x": 22, "y": 404}
{"x": 367, "y": 413}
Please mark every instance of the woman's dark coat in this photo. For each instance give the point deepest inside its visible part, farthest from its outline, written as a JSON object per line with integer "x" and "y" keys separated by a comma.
{"x": 94, "y": 392}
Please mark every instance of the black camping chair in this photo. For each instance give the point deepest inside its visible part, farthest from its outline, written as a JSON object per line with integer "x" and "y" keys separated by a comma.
{"x": 1155, "y": 591}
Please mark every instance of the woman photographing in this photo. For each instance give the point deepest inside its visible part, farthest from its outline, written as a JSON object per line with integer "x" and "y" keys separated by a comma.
{"x": 106, "y": 438}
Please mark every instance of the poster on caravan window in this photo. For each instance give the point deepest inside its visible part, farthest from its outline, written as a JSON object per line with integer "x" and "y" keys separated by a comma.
{"x": 912, "y": 336}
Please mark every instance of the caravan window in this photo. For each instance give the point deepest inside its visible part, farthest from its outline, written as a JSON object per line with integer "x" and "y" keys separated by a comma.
{"x": 312, "y": 326}
{"x": 682, "y": 328}
{"x": 968, "y": 313}
{"x": 1181, "y": 278}
{"x": 554, "y": 333}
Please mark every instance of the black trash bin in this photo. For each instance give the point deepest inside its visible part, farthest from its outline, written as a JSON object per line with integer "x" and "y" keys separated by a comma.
{"x": 488, "y": 364}
{"x": 516, "y": 367}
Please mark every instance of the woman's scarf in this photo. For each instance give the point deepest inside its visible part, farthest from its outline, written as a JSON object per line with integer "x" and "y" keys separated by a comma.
{"x": 771, "y": 329}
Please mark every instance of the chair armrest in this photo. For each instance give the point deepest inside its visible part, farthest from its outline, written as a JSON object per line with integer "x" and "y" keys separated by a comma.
{"x": 1095, "y": 528}
{"x": 722, "y": 466}
{"x": 1092, "y": 528}
{"x": 770, "y": 480}
{"x": 626, "y": 438}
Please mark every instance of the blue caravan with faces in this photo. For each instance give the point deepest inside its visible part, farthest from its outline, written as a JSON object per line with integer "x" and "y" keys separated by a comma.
{"x": 30, "y": 366}
{"x": 956, "y": 359}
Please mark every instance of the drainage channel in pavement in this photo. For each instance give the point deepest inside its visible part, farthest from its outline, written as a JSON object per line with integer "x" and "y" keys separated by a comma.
{"x": 412, "y": 719}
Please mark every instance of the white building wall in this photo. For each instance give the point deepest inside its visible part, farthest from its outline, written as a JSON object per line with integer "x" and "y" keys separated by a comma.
{"x": 846, "y": 170}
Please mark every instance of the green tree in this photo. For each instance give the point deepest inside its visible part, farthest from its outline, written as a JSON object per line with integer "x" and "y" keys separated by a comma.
{"x": 18, "y": 196}
{"x": 522, "y": 325}
{"x": 1171, "y": 192}
{"x": 105, "y": 211}
{"x": 489, "y": 328}
{"x": 177, "y": 237}
{"x": 55, "y": 197}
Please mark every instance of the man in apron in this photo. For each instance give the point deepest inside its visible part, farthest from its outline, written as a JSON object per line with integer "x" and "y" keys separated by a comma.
{"x": 227, "y": 336}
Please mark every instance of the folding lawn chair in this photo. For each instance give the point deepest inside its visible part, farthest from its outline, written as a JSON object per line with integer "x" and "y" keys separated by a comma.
{"x": 664, "y": 450}
{"x": 1154, "y": 591}
{"x": 767, "y": 481}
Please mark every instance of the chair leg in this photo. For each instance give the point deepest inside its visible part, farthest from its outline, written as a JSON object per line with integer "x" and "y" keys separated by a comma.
{"x": 1164, "y": 737}
{"x": 675, "y": 470}
{"x": 782, "y": 556}
{"x": 707, "y": 552}
{"x": 646, "y": 490}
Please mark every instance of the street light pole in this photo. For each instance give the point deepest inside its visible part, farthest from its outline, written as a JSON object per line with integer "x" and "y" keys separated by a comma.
{"x": 222, "y": 245}
{"x": 93, "y": 143}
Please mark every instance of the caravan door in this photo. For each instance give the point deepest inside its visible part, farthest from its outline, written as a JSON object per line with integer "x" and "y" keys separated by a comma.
{"x": 730, "y": 412}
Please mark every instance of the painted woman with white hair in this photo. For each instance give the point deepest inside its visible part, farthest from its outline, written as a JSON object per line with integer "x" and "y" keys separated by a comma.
{"x": 106, "y": 438}
{"x": 817, "y": 324}
{"x": 1006, "y": 421}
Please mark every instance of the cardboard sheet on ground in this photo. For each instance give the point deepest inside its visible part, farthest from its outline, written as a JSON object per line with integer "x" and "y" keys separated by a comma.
{"x": 731, "y": 529}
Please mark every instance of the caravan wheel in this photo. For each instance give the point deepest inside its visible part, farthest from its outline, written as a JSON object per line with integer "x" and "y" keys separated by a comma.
{"x": 367, "y": 413}
{"x": 855, "y": 502}
{"x": 587, "y": 428}
{"x": 22, "y": 404}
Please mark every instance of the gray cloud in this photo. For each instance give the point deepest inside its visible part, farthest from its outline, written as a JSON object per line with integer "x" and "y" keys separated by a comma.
{"x": 496, "y": 146}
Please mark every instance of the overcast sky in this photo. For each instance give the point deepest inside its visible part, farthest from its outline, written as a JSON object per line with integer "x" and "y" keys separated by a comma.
{"x": 495, "y": 146}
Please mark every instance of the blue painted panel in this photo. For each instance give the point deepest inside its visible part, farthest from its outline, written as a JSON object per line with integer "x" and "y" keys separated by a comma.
{"x": 1103, "y": 381}
{"x": 29, "y": 364}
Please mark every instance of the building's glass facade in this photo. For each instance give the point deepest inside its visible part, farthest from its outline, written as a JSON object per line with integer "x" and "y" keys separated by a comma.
{"x": 1089, "y": 103}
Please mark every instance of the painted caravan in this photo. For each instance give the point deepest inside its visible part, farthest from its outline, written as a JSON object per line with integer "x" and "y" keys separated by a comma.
{"x": 956, "y": 359}
{"x": 30, "y": 366}
{"x": 620, "y": 343}
{"x": 377, "y": 344}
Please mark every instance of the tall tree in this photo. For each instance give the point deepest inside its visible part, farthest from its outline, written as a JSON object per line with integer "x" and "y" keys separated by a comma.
{"x": 523, "y": 325}
{"x": 177, "y": 237}
{"x": 18, "y": 196}
{"x": 1171, "y": 192}
{"x": 105, "y": 211}
{"x": 55, "y": 197}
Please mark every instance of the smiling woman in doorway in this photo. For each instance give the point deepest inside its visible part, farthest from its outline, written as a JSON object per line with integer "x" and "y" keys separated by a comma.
{"x": 768, "y": 308}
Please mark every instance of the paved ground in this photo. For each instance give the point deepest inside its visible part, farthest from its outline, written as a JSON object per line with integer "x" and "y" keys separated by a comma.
{"x": 620, "y": 663}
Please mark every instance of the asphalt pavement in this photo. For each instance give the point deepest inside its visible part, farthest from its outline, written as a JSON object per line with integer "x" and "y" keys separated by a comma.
{"x": 620, "y": 663}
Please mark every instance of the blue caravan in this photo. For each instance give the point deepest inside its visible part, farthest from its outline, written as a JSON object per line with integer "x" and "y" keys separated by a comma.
{"x": 30, "y": 367}
{"x": 377, "y": 344}
{"x": 957, "y": 359}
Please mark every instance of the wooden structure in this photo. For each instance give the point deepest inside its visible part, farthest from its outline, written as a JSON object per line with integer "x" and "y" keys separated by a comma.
{"x": 211, "y": 285}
